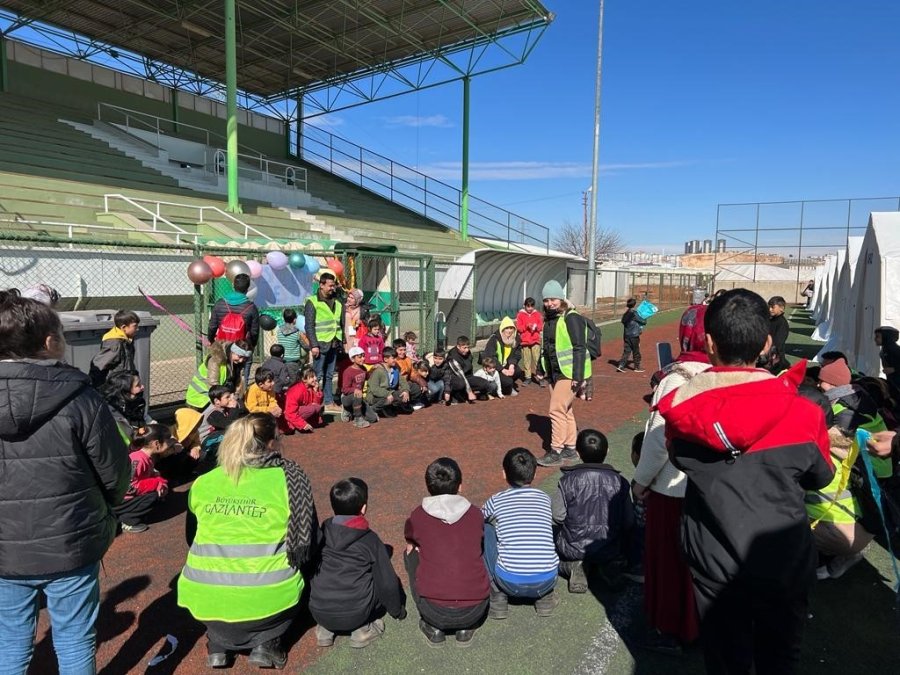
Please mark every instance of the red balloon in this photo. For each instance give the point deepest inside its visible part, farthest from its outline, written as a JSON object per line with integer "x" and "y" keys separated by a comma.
{"x": 216, "y": 265}
{"x": 335, "y": 265}
{"x": 199, "y": 272}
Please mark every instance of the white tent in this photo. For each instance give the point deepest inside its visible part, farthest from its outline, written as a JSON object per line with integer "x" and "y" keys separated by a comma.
{"x": 823, "y": 287}
{"x": 826, "y": 311}
{"x": 842, "y": 332}
{"x": 877, "y": 288}
{"x": 818, "y": 290}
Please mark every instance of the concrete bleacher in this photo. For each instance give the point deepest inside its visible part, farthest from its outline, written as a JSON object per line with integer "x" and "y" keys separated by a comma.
{"x": 52, "y": 172}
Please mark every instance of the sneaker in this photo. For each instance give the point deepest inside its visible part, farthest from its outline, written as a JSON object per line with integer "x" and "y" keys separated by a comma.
{"x": 569, "y": 454}
{"x": 435, "y": 636}
{"x": 526, "y": 381}
{"x": 840, "y": 564}
{"x": 217, "y": 660}
{"x": 334, "y": 408}
{"x": 550, "y": 459}
{"x": 346, "y": 416}
{"x": 638, "y": 369}
{"x": 361, "y": 423}
{"x": 135, "y": 529}
{"x": 324, "y": 637}
{"x": 361, "y": 637}
{"x": 514, "y": 392}
{"x": 499, "y": 608}
{"x": 620, "y": 368}
{"x": 464, "y": 637}
{"x": 544, "y": 606}
{"x": 578, "y": 582}
{"x": 661, "y": 643}
{"x": 541, "y": 383}
{"x": 418, "y": 406}
{"x": 387, "y": 411}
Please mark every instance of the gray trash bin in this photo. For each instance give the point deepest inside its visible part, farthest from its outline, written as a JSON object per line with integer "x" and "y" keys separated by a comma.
{"x": 84, "y": 332}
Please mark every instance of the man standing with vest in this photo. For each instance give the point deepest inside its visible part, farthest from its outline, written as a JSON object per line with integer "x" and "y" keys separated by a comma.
{"x": 324, "y": 316}
{"x": 565, "y": 362}
{"x": 235, "y": 317}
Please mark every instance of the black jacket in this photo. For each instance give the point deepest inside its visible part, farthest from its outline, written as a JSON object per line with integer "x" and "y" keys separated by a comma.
{"x": 779, "y": 329}
{"x": 246, "y": 309}
{"x": 115, "y": 355}
{"x": 62, "y": 465}
{"x": 632, "y": 324}
{"x": 577, "y": 329}
{"x": 354, "y": 577}
{"x": 598, "y": 513}
{"x": 490, "y": 349}
{"x": 464, "y": 362}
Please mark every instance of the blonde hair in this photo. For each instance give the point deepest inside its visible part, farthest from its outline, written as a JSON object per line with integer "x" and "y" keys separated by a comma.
{"x": 245, "y": 443}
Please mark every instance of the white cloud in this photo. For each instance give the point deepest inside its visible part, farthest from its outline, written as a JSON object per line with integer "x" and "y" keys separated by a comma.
{"x": 324, "y": 121}
{"x": 439, "y": 121}
{"x": 521, "y": 170}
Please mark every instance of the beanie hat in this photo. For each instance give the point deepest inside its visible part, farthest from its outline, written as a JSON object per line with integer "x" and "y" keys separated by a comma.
{"x": 553, "y": 289}
{"x": 836, "y": 373}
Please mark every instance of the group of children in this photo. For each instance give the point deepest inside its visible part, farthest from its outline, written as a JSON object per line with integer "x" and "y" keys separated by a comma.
{"x": 464, "y": 563}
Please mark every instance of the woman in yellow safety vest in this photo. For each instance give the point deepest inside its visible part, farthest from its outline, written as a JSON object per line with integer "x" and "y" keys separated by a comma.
{"x": 222, "y": 364}
{"x": 251, "y": 525}
{"x": 566, "y": 365}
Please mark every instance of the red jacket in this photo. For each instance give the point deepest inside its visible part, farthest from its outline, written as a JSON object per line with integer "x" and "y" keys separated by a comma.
{"x": 144, "y": 476}
{"x": 297, "y": 397}
{"x": 751, "y": 447}
{"x": 529, "y": 327}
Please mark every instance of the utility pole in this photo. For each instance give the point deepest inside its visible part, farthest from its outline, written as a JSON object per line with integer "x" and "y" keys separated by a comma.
{"x": 595, "y": 174}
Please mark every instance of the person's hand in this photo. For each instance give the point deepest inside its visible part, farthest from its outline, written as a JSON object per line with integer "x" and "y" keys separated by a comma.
{"x": 357, "y": 393}
{"x": 508, "y": 371}
{"x": 232, "y": 402}
{"x": 276, "y": 411}
{"x": 447, "y": 398}
{"x": 162, "y": 490}
{"x": 880, "y": 443}
{"x": 472, "y": 396}
{"x": 314, "y": 352}
{"x": 577, "y": 386}
{"x": 409, "y": 548}
{"x": 195, "y": 452}
{"x": 390, "y": 398}
{"x": 639, "y": 491}
{"x": 404, "y": 396}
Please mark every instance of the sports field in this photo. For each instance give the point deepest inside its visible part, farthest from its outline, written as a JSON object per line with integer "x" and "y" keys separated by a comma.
{"x": 852, "y": 627}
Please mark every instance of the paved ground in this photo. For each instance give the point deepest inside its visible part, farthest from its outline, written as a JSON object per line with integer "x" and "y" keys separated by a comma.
{"x": 592, "y": 633}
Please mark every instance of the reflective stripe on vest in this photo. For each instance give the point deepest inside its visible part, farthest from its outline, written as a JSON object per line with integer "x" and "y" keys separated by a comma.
{"x": 198, "y": 390}
{"x": 328, "y": 322}
{"x": 565, "y": 353}
{"x": 236, "y": 568}
{"x": 819, "y": 503}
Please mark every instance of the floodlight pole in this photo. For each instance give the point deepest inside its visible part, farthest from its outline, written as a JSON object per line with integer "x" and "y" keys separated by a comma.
{"x": 595, "y": 173}
{"x": 176, "y": 117}
{"x": 231, "y": 148}
{"x": 464, "y": 195}
{"x": 300, "y": 126}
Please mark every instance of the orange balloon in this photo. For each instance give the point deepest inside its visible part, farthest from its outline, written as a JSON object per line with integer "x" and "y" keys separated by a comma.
{"x": 335, "y": 265}
{"x": 216, "y": 264}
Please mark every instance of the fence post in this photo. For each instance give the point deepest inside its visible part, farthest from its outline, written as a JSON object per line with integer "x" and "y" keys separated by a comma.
{"x": 660, "y": 290}
{"x": 198, "y": 317}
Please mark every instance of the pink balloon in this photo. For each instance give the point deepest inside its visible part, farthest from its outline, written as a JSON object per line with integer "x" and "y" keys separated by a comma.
{"x": 255, "y": 269}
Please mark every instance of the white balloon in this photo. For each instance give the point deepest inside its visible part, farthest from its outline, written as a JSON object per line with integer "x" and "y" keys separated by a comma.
{"x": 252, "y": 291}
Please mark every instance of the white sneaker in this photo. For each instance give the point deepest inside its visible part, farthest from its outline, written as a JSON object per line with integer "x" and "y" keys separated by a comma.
{"x": 840, "y": 564}
{"x": 418, "y": 406}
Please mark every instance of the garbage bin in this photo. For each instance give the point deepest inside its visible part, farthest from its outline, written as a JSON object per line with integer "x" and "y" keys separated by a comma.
{"x": 84, "y": 332}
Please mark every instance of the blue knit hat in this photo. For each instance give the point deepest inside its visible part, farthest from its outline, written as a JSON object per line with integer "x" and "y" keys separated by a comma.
{"x": 553, "y": 289}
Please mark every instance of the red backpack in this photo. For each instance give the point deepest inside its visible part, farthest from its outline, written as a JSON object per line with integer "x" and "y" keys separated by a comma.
{"x": 691, "y": 332}
{"x": 232, "y": 328}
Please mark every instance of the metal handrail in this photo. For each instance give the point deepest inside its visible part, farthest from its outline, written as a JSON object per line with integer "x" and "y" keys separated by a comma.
{"x": 416, "y": 191}
{"x": 71, "y": 227}
{"x": 159, "y": 122}
{"x": 290, "y": 175}
{"x": 156, "y": 214}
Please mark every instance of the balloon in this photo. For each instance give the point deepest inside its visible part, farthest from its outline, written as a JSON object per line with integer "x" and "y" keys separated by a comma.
{"x": 216, "y": 264}
{"x": 277, "y": 260}
{"x": 255, "y": 269}
{"x": 298, "y": 260}
{"x": 312, "y": 265}
{"x": 252, "y": 291}
{"x": 199, "y": 272}
{"x": 335, "y": 265}
{"x": 266, "y": 322}
{"x": 235, "y": 267}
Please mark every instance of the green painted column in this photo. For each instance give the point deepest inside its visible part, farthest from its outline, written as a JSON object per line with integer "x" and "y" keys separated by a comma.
{"x": 231, "y": 148}
{"x": 176, "y": 115}
{"x": 300, "y": 126}
{"x": 4, "y": 72}
{"x": 464, "y": 196}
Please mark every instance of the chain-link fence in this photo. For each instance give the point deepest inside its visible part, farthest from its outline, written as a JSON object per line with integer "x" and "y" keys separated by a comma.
{"x": 97, "y": 278}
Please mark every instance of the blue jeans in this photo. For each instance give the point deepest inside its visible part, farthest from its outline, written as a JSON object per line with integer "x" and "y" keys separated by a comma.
{"x": 435, "y": 390}
{"x": 516, "y": 590}
{"x": 324, "y": 366}
{"x": 73, "y": 602}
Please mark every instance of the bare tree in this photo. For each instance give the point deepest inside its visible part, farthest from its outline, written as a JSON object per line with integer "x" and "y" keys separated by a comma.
{"x": 573, "y": 239}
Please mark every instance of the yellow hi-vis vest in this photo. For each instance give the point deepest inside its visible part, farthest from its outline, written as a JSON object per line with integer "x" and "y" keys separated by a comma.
{"x": 237, "y": 567}
{"x": 819, "y": 503}
{"x": 565, "y": 354}
{"x": 881, "y": 466}
{"x": 328, "y": 322}
{"x": 197, "y": 395}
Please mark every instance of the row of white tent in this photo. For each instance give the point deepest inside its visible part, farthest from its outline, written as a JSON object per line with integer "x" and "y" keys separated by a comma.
{"x": 857, "y": 290}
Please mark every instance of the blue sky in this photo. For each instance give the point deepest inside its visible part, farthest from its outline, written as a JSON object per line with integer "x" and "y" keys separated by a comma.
{"x": 703, "y": 102}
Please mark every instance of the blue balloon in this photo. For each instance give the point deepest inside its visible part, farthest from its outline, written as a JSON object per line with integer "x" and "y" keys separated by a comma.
{"x": 312, "y": 265}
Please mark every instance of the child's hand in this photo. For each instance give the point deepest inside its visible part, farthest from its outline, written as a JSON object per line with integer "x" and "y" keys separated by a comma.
{"x": 390, "y": 398}
{"x": 404, "y": 396}
{"x": 357, "y": 393}
{"x": 195, "y": 452}
{"x": 472, "y": 396}
{"x": 276, "y": 411}
{"x": 639, "y": 491}
{"x": 447, "y": 398}
{"x": 162, "y": 490}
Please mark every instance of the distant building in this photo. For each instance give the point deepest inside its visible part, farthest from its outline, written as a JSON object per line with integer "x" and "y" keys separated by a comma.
{"x": 720, "y": 246}
{"x": 707, "y": 245}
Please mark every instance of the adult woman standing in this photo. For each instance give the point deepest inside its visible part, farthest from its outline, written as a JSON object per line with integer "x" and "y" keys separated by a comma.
{"x": 64, "y": 466}
{"x": 252, "y": 523}
{"x": 566, "y": 365}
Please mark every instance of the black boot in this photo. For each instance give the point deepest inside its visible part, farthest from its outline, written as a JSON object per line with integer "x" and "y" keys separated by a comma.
{"x": 269, "y": 655}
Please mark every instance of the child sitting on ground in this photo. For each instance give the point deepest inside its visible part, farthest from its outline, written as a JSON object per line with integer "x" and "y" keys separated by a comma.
{"x": 443, "y": 558}
{"x": 147, "y": 486}
{"x": 116, "y": 348}
{"x": 592, "y": 509}
{"x": 353, "y": 382}
{"x": 303, "y": 403}
{"x": 464, "y": 385}
{"x": 261, "y": 395}
{"x": 372, "y": 343}
{"x": 419, "y": 376}
{"x": 518, "y": 540}
{"x": 276, "y": 365}
{"x": 412, "y": 345}
{"x": 488, "y": 372}
{"x": 410, "y": 374}
{"x": 388, "y": 392}
{"x": 222, "y": 411}
{"x": 355, "y": 582}
{"x": 439, "y": 376}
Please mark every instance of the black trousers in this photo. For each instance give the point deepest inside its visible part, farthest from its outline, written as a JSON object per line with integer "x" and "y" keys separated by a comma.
{"x": 748, "y": 629}
{"x": 507, "y": 382}
{"x": 358, "y": 407}
{"x": 443, "y": 618}
{"x": 631, "y": 351}
{"x": 133, "y": 511}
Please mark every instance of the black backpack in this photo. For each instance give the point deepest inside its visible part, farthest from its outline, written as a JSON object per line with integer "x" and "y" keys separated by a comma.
{"x": 592, "y": 338}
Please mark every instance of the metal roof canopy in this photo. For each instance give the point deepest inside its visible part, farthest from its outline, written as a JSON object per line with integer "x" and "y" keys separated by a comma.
{"x": 287, "y": 48}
